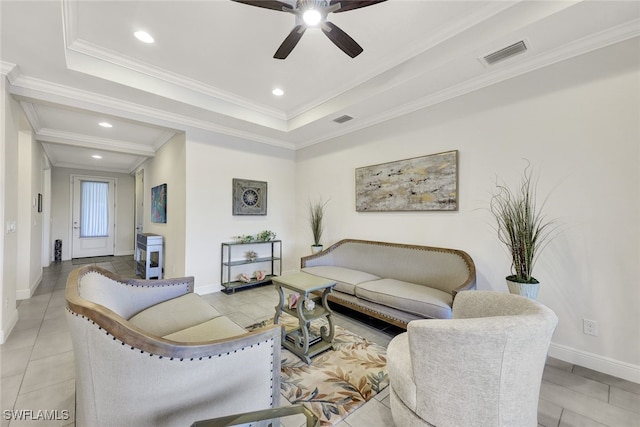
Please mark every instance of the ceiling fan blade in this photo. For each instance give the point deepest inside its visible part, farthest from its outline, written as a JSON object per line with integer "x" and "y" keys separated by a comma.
{"x": 341, "y": 39}
{"x": 290, "y": 42}
{"x": 267, "y": 4}
{"x": 346, "y": 5}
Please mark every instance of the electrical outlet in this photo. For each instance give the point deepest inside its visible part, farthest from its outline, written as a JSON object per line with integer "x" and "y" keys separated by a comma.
{"x": 590, "y": 327}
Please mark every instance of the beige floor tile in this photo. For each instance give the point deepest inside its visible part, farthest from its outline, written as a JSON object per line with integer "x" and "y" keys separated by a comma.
{"x": 9, "y": 389}
{"x": 548, "y": 414}
{"x": 57, "y": 400}
{"x": 51, "y": 344}
{"x": 571, "y": 419}
{"x": 625, "y": 399}
{"x": 20, "y": 339}
{"x": 591, "y": 408}
{"x": 48, "y": 371}
{"x": 53, "y": 325}
{"x": 14, "y": 362}
{"x": 577, "y": 383}
{"x": 607, "y": 379}
{"x": 371, "y": 414}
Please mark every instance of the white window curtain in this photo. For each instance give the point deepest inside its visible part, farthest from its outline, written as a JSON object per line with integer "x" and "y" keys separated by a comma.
{"x": 94, "y": 212}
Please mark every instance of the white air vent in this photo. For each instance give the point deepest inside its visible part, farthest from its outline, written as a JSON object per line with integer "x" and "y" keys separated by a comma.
{"x": 506, "y": 52}
{"x": 343, "y": 119}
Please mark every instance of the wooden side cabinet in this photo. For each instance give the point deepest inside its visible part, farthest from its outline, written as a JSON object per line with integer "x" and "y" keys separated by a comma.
{"x": 234, "y": 260}
{"x": 149, "y": 255}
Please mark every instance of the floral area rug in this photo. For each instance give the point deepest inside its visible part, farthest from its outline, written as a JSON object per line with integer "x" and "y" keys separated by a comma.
{"x": 337, "y": 382}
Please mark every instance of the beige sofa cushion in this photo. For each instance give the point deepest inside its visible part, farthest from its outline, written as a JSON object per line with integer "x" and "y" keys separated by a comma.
{"x": 214, "y": 329}
{"x": 174, "y": 315}
{"x": 417, "y": 299}
{"x": 346, "y": 279}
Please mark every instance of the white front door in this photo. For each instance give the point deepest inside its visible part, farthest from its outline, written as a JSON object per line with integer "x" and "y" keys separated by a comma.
{"x": 93, "y": 217}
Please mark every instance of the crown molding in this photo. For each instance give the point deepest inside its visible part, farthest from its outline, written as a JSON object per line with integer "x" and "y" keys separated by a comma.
{"x": 204, "y": 95}
{"x": 570, "y": 50}
{"x": 31, "y": 88}
{"x": 10, "y": 70}
{"x": 32, "y": 115}
{"x": 87, "y": 141}
{"x": 163, "y": 139}
{"x": 98, "y": 168}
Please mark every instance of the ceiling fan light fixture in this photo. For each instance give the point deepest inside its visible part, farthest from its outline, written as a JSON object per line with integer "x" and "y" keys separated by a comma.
{"x": 312, "y": 17}
{"x": 143, "y": 36}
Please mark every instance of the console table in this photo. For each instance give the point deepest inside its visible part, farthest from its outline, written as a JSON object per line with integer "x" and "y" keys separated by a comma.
{"x": 146, "y": 266}
{"x": 301, "y": 341}
{"x": 230, "y": 258}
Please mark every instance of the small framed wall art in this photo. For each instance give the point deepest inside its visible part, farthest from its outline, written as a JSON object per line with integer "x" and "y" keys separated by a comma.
{"x": 249, "y": 197}
{"x": 159, "y": 204}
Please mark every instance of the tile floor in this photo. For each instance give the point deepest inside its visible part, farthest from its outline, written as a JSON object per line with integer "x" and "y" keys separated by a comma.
{"x": 37, "y": 373}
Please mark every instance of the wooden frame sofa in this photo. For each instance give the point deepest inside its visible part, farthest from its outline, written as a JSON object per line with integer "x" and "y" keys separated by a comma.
{"x": 153, "y": 353}
{"x": 394, "y": 282}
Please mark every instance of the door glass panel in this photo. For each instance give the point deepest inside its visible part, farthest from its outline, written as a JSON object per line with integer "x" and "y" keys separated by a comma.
{"x": 94, "y": 209}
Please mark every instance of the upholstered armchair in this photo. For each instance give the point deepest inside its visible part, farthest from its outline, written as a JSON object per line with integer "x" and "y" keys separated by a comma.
{"x": 481, "y": 368}
{"x": 153, "y": 353}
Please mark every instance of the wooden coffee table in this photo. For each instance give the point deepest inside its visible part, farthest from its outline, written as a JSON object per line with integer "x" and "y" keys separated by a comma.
{"x": 301, "y": 341}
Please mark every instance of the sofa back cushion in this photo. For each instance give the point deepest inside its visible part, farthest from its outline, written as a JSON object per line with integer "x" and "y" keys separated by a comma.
{"x": 443, "y": 269}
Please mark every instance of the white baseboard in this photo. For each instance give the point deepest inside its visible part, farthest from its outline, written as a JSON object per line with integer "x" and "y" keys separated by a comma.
{"x": 124, "y": 253}
{"x": 27, "y": 293}
{"x": 208, "y": 289}
{"x": 4, "y": 333}
{"x": 606, "y": 365}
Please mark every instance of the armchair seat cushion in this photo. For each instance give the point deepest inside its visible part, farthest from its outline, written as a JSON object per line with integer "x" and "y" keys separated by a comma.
{"x": 346, "y": 278}
{"x": 215, "y": 329}
{"x": 410, "y": 297}
{"x": 174, "y": 315}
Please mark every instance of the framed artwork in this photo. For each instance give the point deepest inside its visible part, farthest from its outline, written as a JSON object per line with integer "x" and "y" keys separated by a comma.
{"x": 249, "y": 197}
{"x": 428, "y": 183}
{"x": 159, "y": 204}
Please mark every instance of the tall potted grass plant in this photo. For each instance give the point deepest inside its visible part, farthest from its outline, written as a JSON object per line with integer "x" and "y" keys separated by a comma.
{"x": 316, "y": 218}
{"x": 523, "y": 229}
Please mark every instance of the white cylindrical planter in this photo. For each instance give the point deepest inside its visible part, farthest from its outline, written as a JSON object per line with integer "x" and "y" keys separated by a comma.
{"x": 529, "y": 290}
{"x": 316, "y": 248}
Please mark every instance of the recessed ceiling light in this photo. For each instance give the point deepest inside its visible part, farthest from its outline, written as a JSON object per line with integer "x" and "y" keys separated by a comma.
{"x": 143, "y": 36}
{"x": 96, "y": 156}
{"x": 277, "y": 92}
{"x": 105, "y": 124}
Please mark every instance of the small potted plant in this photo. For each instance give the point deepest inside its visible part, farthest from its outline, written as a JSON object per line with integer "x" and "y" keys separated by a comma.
{"x": 316, "y": 216}
{"x": 523, "y": 229}
{"x": 266, "y": 236}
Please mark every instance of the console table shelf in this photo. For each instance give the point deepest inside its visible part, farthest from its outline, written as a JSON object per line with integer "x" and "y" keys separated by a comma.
{"x": 231, "y": 253}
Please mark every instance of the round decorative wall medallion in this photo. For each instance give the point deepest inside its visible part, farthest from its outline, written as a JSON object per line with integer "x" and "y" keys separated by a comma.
{"x": 250, "y": 197}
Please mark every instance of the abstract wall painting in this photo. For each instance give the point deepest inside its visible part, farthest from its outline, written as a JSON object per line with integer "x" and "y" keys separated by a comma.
{"x": 159, "y": 204}
{"x": 427, "y": 183}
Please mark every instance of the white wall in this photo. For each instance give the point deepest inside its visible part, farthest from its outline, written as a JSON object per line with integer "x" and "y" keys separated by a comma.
{"x": 578, "y": 123}
{"x": 30, "y": 183}
{"x": 9, "y": 118}
{"x": 213, "y": 161}
{"x": 61, "y": 209}
{"x": 168, "y": 167}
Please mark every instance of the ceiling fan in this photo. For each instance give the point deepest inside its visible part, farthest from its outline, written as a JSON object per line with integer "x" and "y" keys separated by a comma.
{"x": 313, "y": 13}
